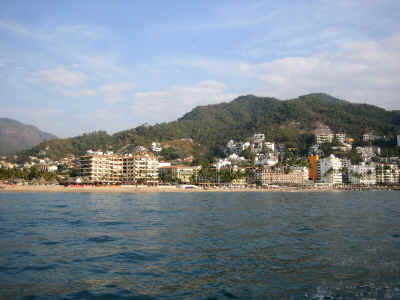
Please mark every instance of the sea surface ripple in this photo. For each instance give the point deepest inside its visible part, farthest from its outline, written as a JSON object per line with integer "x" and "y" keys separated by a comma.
{"x": 200, "y": 246}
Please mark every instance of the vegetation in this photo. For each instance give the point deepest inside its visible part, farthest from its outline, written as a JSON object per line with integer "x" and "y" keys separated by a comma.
{"x": 212, "y": 126}
{"x": 27, "y": 174}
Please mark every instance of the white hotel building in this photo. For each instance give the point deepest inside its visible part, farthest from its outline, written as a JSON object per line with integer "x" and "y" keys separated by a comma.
{"x": 110, "y": 168}
{"x": 329, "y": 170}
{"x": 362, "y": 174}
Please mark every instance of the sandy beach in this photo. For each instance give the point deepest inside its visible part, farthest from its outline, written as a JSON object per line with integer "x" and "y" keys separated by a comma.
{"x": 137, "y": 189}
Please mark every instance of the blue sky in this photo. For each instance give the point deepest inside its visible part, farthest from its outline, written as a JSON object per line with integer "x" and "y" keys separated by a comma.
{"x": 71, "y": 67}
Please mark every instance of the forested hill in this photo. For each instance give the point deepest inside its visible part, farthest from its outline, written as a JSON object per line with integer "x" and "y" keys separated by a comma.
{"x": 289, "y": 121}
{"x": 16, "y": 136}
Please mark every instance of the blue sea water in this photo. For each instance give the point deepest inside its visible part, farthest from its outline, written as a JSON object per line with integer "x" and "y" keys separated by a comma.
{"x": 200, "y": 246}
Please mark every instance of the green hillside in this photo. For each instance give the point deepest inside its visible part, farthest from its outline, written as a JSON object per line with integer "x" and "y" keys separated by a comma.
{"x": 290, "y": 121}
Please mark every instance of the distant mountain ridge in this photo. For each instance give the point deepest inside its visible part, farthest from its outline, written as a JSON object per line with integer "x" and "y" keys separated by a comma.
{"x": 211, "y": 126}
{"x": 16, "y": 136}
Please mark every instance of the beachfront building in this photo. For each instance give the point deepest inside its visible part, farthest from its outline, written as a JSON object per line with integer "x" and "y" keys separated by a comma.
{"x": 180, "y": 174}
{"x": 387, "y": 174}
{"x": 313, "y": 167}
{"x": 141, "y": 168}
{"x": 362, "y": 173}
{"x": 99, "y": 167}
{"x": 268, "y": 176}
{"x": 303, "y": 171}
{"x": 329, "y": 170}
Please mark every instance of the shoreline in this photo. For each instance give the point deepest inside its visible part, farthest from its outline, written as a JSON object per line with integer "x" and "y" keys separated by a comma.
{"x": 158, "y": 189}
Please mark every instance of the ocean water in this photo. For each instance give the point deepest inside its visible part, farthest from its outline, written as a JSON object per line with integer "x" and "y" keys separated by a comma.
{"x": 200, "y": 246}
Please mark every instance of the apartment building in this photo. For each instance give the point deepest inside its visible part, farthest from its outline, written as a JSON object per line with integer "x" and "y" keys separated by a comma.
{"x": 99, "y": 167}
{"x": 313, "y": 167}
{"x": 387, "y": 174}
{"x": 329, "y": 170}
{"x": 140, "y": 168}
{"x": 369, "y": 136}
{"x": 341, "y": 137}
{"x": 362, "y": 174}
{"x": 181, "y": 174}
{"x": 323, "y": 135}
{"x": 268, "y": 176}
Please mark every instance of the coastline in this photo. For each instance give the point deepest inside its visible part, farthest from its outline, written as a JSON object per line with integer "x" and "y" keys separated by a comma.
{"x": 145, "y": 189}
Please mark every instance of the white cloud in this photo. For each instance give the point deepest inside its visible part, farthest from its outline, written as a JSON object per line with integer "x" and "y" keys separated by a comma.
{"x": 118, "y": 92}
{"x": 173, "y": 102}
{"x": 363, "y": 71}
{"x": 360, "y": 71}
{"x": 59, "y": 77}
{"x": 84, "y": 31}
{"x": 19, "y": 29}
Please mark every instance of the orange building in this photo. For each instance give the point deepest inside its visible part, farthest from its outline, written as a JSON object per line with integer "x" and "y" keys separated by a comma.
{"x": 313, "y": 170}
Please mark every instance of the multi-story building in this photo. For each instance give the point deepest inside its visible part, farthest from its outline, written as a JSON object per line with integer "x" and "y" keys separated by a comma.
{"x": 369, "y": 136}
{"x": 301, "y": 170}
{"x": 346, "y": 163}
{"x": 99, "y": 167}
{"x": 387, "y": 174}
{"x": 330, "y": 170}
{"x": 313, "y": 168}
{"x": 268, "y": 176}
{"x": 270, "y": 146}
{"x": 267, "y": 160}
{"x": 180, "y": 174}
{"x": 258, "y": 138}
{"x": 362, "y": 174}
{"x": 140, "y": 168}
{"x": 323, "y": 135}
{"x": 236, "y": 148}
{"x": 367, "y": 153}
{"x": 156, "y": 147}
{"x": 341, "y": 137}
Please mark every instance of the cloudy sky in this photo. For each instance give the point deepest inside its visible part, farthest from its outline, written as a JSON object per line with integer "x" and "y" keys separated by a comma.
{"x": 70, "y": 67}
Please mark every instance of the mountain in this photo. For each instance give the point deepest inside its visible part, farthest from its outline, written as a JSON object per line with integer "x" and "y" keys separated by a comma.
{"x": 16, "y": 136}
{"x": 290, "y": 121}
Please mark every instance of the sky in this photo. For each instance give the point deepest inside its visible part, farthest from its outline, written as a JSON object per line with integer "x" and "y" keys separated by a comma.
{"x": 70, "y": 67}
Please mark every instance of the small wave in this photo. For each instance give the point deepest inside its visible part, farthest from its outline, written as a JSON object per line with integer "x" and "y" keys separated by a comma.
{"x": 23, "y": 253}
{"x": 123, "y": 257}
{"x": 75, "y": 222}
{"x": 111, "y": 223}
{"x": 39, "y": 268}
{"x": 86, "y": 295}
{"x": 101, "y": 239}
{"x": 8, "y": 270}
{"x": 132, "y": 257}
{"x": 228, "y": 294}
{"x": 50, "y": 243}
{"x": 305, "y": 229}
{"x": 59, "y": 206}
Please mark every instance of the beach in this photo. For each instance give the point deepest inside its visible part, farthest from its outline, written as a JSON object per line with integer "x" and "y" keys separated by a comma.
{"x": 141, "y": 189}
